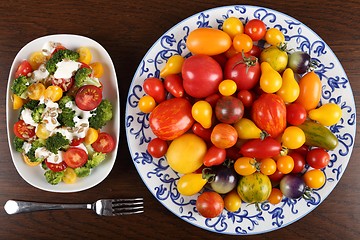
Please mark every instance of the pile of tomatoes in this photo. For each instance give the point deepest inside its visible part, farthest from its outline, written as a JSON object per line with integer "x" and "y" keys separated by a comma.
{"x": 239, "y": 122}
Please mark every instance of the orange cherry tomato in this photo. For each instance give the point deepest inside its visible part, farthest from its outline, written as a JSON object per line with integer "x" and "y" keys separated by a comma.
{"x": 310, "y": 91}
{"x": 242, "y": 42}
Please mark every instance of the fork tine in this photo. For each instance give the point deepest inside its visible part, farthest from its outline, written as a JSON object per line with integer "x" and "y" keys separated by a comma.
{"x": 127, "y": 206}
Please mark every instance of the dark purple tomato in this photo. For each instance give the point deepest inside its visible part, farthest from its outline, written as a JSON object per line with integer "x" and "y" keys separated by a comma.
{"x": 229, "y": 109}
{"x": 292, "y": 186}
{"x": 299, "y": 62}
{"x": 225, "y": 179}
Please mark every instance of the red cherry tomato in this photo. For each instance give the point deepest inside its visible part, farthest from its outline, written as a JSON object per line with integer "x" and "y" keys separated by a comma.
{"x": 104, "y": 143}
{"x": 76, "y": 141}
{"x": 23, "y": 69}
{"x": 88, "y": 97}
{"x": 276, "y": 176}
{"x": 214, "y": 156}
{"x": 244, "y": 71}
{"x": 295, "y": 114}
{"x": 256, "y": 29}
{"x": 204, "y": 133}
{"x": 157, "y": 147}
{"x": 299, "y": 162}
{"x": 318, "y": 158}
{"x": 56, "y": 167}
{"x": 247, "y": 97}
{"x": 210, "y": 204}
{"x": 173, "y": 84}
{"x": 212, "y": 99}
{"x": 201, "y": 76}
{"x": 23, "y": 130}
{"x": 155, "y": 88}
{"x": 255, "y": 51}
{"x": 75, "y": 157}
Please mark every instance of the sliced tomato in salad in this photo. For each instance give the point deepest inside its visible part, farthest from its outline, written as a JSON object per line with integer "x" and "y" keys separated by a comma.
{"x": 57, "y": 48}
{"x": 23, "y": 69}
{"x": 88, "y": 97}
{"x": 76, "y": 142}
{"x": 23, "y": 130}
{"x": 56, "y": 167}
{"x": 105, "y": 143}
{"x": 75, "y": 157}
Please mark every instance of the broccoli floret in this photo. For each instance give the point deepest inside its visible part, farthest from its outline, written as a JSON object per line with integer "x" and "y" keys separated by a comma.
{"x": 82, "y": 78}
{"x": 64, "y": 100}
{"x": 38, "y": 143}
{"x": 56, "y": 142}
{"x": 82, "y": 171}
{"x": 53, "y": 177}
{"x": 37, "y": 113}
{"x": 18, "y": 143}
{"x": 66, "y": 117}
{"x": 32, "y": 104}
{"x": 20, "y": 86}
{"x": 101, "y": 115}
{"x": 58, "y": 57}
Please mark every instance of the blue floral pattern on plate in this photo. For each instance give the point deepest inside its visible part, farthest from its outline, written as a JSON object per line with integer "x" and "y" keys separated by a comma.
{"x": 161, "y": 180}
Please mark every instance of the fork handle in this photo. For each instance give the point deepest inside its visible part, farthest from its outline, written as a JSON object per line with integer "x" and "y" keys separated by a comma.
{"x": 15, "y": 206}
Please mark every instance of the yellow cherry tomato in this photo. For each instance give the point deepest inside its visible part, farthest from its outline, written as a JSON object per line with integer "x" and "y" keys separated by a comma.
{"x": 208, "y": 41}
{"x": 242, "y": 42}
{"x": 36, "y": 91}
{"x": 91, "y": 136}
{"x": 233, "y": 26}
{"x": 85, "y": 55}
{"x": 327, "y": 115}
{"x": 69, "y": 176}
{"x": 191, "y": 183}
{"x": 185, "y": 153}
{"x": 290, "y": 89}
{"x": 314, "y": 178}
{"x": 274, "y": 36}
{"x": 267, "y": 166}
{"x": 285, "y": 164}
{"x": 98, "y": 69}
{"x": 232, "y": 201}
{"x": 54, "y": 93}
{"x": 202, "y": 113}
{"x": 275, "y": 196}
{"x": 36, "y": 59}
{"x": 28, "y": 162}
{"x": 227, "y": 87}
{"x": 270, "y": 80}
{"x": 42, "y": 132}
{"x": 245, "y": 166}
{"x": 147, "y": 104}
{"x": 293, "y": 137}
{"x": 172, "y": 66}
{"x": 276, "y": 57}
{"x": 247, "y": 129}
{"x": 17, "y": 102}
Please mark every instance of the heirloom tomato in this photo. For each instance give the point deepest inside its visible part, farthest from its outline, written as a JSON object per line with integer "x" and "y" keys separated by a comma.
{"x": 299, "y": 62}
{"x": 224, "y": 135}
{"x": 191, "y": 183}
{"x": 270, "y": 80}
{"x": 210, "y": 204}
{"x": 157, "y": 147}
{"x": 172, "y": 66}
{"x": 155, "y": 88}
{"x": 257, "y": 148}
{"x": 256, "y": 29}
{"x": 225, "y": 179}
{"x": 229, "y": 109}
{"x": 254, "y": 188}
{"x": 227, "y": 87}
{"x": 276, "y": 57}
{"x": 146, "y": 104}
{"x": 208, "y": 41}
{"x": 204, "y": 133}
{"x": 299, "y": 162}
{"x": 245, "y": 166}
{"x": 201, "y": 76}
{"x": 285, "y": 164}
{"x": 327, "y": 115}
{"x": 292, "y": 186}
{"x": 274, "y": 36}
{"x": 232, "y": 201}
{"x": 171, "y": 118}
{"x": 295, "y": 114}
{"x": 185, "y": 154}
{"x": 202, "y": 113}
{"x": 246, "y": 96}
{"x": 244, "y": 69}
{"x": 267, "y": 166}
{"x": 310, "y": 91}
{"x": 293, "y": 137}
{"x": 269, "y": 114}
{"x": 247, "y": 129}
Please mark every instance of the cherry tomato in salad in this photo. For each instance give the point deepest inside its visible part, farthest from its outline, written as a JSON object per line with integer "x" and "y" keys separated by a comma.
{"x": 318, "y": 158}
{"x": 157, "y": 147}
{"x": 23, "y": 69}
{"x": 256, "y": 29}
{"x": 75, "y": 157}
{"x": 54, "y": 93}
{"x": 36, "y": 91}
{"x": 105, "y": 143}
{"x": 76, "y": 142}
{"x": 210, "y": 204}
{"x": 23, "y": 130}
{"x": 88, "y": 97}
{"x": 56, "y": 167}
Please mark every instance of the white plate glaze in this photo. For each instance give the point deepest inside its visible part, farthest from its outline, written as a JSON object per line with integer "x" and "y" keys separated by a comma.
{"x": 161, "y": 180}
{"x": 35, "y": 175}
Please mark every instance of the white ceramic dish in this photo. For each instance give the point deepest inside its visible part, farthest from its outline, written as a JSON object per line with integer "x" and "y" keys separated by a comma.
{"x": 34, "y": 175}
{"x": 161, "y": 180}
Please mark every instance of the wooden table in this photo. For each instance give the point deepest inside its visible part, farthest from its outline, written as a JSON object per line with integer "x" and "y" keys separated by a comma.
{"x": 127, "y": 29}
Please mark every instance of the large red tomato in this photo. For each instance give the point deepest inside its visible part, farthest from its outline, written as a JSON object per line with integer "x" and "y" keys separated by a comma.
{"x": 244, "y": 70}
{"x": 171, "y": 118}
{"x": 269, "y": 114}
{"x": 201, "y": 76}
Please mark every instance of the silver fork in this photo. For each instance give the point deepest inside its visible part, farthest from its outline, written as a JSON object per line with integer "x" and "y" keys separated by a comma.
{"x": 103, "y": 207}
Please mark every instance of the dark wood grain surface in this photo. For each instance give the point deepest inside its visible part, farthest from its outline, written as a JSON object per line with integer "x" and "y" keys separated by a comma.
{"x": 127, "y": 29}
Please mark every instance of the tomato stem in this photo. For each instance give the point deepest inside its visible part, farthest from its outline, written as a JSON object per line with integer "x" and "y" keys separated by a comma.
{"x": 248, "y": 61}
{"x": 208, "y": 174}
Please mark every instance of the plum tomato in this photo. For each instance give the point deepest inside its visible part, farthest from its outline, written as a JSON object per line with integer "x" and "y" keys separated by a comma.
{"x": 157, "y": 147}
{"x": 201, "y": 76}
{"x": 224, "y": 135}
{"x": 173, "y": 84}
{"x": 204, "y": 133}
{"x": 258, "y": 148}
{"x": 318, "y": 158}
{"x": 256, "y": 29}
{"x": 171, "y": 118}
{"x": 209, "y": 204}
{"x": 295, "y": 114}
{"x": 244, "y": 70}
{"x": 229, "y": 109}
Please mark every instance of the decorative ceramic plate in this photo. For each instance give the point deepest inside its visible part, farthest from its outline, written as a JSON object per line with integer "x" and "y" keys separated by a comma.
{"x": 161, "y": 180}
{"x": 35, "y": 175}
